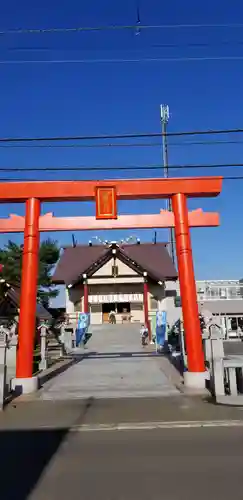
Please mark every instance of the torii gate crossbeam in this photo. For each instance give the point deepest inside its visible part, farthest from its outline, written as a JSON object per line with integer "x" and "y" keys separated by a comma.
{"x": 193, "y": 187}
{"x": 196, "y": 218}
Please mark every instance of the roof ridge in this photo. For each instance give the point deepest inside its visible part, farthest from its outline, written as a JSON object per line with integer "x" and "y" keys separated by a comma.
{"x": 123, "y": 244}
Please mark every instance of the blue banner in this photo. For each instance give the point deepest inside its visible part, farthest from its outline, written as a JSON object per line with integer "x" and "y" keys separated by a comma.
{"x": 82, "y": 327}
{"x": 161, "y": 317}
{"x": 83, "y": 320}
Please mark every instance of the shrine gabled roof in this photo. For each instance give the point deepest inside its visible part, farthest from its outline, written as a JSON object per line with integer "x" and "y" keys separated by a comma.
{"x": 145, "y": 257}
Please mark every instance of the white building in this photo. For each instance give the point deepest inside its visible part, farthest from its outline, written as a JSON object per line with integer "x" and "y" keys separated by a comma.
{"x": 222, "y": 299}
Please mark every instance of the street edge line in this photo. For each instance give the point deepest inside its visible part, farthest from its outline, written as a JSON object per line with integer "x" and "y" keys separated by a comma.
{"x": 155, "y": 425}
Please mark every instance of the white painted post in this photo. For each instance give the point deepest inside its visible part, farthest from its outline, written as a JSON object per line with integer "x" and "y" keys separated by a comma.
{"x": 12, "y": 350}
{"x": 207, "y": 344}
{"x": 62, "y": 339}
{"x": 66, "y": 337}
{"x": 182, "y": 342}
{"x": 232, "y": 381}
{"x": 208, "y": 352}
{"x": 218, "y": 361}
{"x": 11, "y": 355}
{"x": 3, "y": 365}
{"x": 240, "y": 381}
{"x": 69, "y": 339}
{"x": 43, "y": 334}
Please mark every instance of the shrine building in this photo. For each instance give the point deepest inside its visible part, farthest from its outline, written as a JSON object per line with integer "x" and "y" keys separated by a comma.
{"x": 134, "y": 280}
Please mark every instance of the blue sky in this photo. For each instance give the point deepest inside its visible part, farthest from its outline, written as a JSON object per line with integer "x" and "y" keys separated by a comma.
{"x": 109, "y": 98}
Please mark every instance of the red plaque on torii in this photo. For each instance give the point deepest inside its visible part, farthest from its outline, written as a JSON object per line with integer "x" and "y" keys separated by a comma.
{"x": 106, "y": 202}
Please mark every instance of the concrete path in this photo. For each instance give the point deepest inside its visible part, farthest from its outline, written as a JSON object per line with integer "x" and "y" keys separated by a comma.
{"x": 114, "y": 365}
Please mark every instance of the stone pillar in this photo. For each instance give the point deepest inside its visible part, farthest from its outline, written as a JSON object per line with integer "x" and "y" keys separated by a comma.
{"x": 3, "y": 364}
{"x": 43, "y": 364}
{"x": 195, "y": 377}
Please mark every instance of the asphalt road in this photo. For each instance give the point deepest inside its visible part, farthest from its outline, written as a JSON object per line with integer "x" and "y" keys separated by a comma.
{"x": 169, "y": 464}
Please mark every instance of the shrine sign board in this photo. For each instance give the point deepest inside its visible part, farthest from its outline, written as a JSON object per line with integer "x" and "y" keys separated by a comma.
{"x": 114, "y": 298}
{"x": 106, "y": 204}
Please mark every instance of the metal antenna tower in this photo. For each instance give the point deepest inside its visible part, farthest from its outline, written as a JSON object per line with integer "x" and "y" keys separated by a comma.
{"x": 164, "y": 115}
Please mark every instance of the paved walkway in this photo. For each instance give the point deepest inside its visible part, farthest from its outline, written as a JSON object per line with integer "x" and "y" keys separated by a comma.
{"x": 114, "y": 365}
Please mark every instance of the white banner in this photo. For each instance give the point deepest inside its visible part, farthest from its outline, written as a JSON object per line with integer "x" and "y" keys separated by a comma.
{"x": 115, "y": 297}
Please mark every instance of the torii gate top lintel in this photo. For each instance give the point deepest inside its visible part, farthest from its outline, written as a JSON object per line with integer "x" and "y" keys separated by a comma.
{"x": 54, "y": 191}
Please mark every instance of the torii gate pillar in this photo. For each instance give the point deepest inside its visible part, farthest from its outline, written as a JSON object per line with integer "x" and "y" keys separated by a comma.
{"x": 195, "y": 377}
{"x": 24, "y": 381}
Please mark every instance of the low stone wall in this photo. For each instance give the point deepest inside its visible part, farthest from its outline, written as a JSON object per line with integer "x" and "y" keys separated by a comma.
{"x": 225, "y": 366}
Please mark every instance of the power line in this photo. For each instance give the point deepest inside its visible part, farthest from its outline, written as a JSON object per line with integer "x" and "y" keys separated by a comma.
{"x": 120, "y": 60}
{"x": 83, "y": 168}
{"x": 121, "y": 136}
{"x": 196, "y": 44}
{"x": 80, "y": 145}
{"x": 203, "y": 143}
{"x": 121, "y": 145}
{"x": 223, "y": 43}
{"x": 152, "y": 144}
{"x": 117, "y": 27}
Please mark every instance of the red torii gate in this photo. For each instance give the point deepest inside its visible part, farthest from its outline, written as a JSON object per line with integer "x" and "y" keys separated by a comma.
{"x": 106, "y": 194}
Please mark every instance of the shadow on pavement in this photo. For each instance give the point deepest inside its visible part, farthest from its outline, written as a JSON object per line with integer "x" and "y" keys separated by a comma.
{"x": 110, "y": 355}
{"x": 24, "y": 456}
{"x": 177, "y": 363}
{"x": 46, "y": 376}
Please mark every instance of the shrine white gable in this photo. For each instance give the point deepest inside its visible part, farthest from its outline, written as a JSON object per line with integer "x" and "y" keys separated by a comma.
{"x": 123, "y": 269}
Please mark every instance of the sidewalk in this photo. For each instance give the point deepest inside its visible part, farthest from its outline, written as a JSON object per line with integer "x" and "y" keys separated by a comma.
{"x": 92, "y": 412}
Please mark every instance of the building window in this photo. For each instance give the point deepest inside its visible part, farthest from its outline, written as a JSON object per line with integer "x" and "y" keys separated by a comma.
{"x": 223, "y": 293}
{"x": 96, "y": 308}
{"x": 153, "y": 304}
{"x": 123, "y": 307}
{"x": 214, "y": 293}
{"x": 136, "y": 306}
{"x": 234, "y": 324}
{"x": 177, "y": 301}
{"x": 232, "y": 292}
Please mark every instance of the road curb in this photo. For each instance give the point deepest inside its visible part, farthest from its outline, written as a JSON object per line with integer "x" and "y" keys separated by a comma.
{"x": 156, "y": 425}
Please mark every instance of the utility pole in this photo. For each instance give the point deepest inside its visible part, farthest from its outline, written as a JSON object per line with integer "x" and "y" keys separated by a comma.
{"x": 164, "y": 115}
{"x": 74, "y": 241}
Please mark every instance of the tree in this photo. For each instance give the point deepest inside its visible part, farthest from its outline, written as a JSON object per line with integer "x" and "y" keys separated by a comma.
{"x": 11, "y": 260}
{"x": 48, "y": 256}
